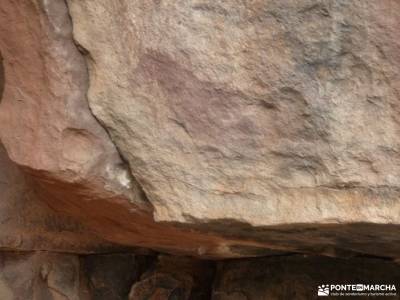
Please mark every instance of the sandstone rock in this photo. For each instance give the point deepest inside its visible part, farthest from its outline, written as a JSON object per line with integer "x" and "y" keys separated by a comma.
{"x": 298, "y": 277}
{"x": 45, "y": 122}
{"x": 215, "y": 129}
{"x": 50, "y": 276}
{"x": 110, "y": 277}
{"x": 2, "y": 82}
{"x": 49, "y": 131}
{"x": 39, "y": 276}
{"x": 175, "y": 278}
{"x": 261, "y": 113}
{"x": 29, "y": 224}
{"x": 247, "y": 127}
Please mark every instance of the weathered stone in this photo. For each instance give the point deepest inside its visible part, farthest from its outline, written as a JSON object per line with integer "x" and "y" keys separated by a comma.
{"x": 247, "y": 126}
{"x": 259, "y": 113}
{"x": 50, "y": 276}
{"x": 298, "y": 277}
{"x": 175, "y": 278}
{"x": 49, "y": 131}
{"x": 26, "y": 223}
{"x": 45, "y": 122}
{"x": 110, "y": 277}
{"x": 39, "y": 276}
{"x": 2, "y": 80}
{"x": 209, "y": 128}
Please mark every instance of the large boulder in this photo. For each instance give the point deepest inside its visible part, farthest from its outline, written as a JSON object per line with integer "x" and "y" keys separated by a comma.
{"x": 210, "y": 128}
{"x": 48, "y": 129}
{"x": 262, "y": 113}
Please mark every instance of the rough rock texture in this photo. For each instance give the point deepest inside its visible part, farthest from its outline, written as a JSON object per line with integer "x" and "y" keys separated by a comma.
{"x": 177, "y": 278}
{"x": 50, "y": 276}
{"x": 39, "y": 276}
{"x": 45, "y": 123}
{"x": 110, "y": 277}
{"x": 29, "y": 224}
{"x": 207, "y": 128}
{"x": 261, "y": 112}
{"x": 298, "y": 277}
{"x": 2, "y": 81}
{"x": 48, "y": 129}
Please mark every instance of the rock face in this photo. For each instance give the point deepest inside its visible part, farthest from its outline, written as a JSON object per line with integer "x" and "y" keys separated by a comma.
{"x": 39, "y": 277}
{"x": 215, "y": 129}
{"x": 47, "y": 129}
{"x": 110, "y": 277}
{"x": 219, "y": 129}
{"x": 175, "y": 278}
{"x": 261, "y": 112}
{"x": 49, "y": 276}
{"x": 297, "y": 277}
{"x": 29, "y": 224}
{"x": 205, "y": 129}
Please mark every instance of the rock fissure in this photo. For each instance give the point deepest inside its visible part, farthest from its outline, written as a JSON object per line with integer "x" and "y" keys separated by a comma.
{"x": 87, "y": 56}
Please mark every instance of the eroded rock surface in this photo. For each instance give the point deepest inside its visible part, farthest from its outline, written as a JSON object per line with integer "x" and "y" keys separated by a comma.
{"x": 298, "y": 277}
{"x": 219, "y": 129}
{"x": 215, "y": 129}
{"x": 264, "y": 112}
{"x": 26, "y": 223}
{"x": 175, "y": 278}
{"x": 45, "y": 122}
{"x": 261, "y": 113}
{"x": 49, "y": 131}
{"x": 51, "y": 276}
{"x": 110, "y": 277}
{"x": 39, "y": 276}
